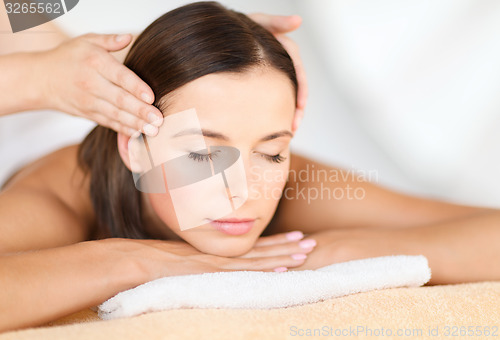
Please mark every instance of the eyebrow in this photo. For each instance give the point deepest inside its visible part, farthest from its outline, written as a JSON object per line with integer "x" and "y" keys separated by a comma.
{"x": 217, "y": 135}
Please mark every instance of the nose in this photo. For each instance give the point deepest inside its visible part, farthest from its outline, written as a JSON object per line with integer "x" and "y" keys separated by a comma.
{"x": 235, "y": 179}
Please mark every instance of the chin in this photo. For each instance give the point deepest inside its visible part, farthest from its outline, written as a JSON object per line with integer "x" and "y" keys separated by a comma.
{"x": 227, "y": 247}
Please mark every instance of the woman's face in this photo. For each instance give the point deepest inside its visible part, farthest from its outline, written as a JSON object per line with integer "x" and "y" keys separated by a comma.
{"x": 250, "y": 111}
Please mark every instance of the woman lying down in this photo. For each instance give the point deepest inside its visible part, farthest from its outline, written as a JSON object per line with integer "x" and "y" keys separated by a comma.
{"x": 78, "y": 226}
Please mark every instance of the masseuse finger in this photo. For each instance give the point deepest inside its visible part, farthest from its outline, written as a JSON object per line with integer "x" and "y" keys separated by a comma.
{"x": 277, "y": 23}
{"x": 124, "y": 101}
{"x": 110, "y": 68}
{"x": 110, "y": 42}
{"x": 123, "y": 118}
{"x": 302, "y": 92}
{"x": 297, "y": 119}
{"x": 110, "y": 123}
{"x": 126, "y": 79}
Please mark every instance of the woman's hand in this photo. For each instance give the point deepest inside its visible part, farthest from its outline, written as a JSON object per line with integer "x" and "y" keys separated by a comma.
{"x": 159, "y": 258}
{"x": 288, "y": 248}
{"x": 279, "y": 25}
{"x": 82, "y": 78}
{"x": 341, "y": 245}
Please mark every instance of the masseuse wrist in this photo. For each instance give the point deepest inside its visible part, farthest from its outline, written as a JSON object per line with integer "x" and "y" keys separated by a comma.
{"x": 41, "y": 96}
{"x": 20, "y": 74}
{"x": 30, "y": 83}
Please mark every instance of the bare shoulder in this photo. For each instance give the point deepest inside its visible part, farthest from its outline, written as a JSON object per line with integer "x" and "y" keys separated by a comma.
{"x": 59, "y": 174}
{"x": 51, "y": 195}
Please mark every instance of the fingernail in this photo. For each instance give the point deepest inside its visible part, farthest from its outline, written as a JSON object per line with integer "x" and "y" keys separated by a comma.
{"x": 146, "y": 97}
{"x": 280, "y": 269}
{"x": 155, "y": 119}
{"x": 150, "y": 130}
{"x": 120, "y": 37}
{"x": 298, "y": 256}
{"x": 294, "y": 235}
{"x": 135, "y": 134}
{"x": 307, "y": 244}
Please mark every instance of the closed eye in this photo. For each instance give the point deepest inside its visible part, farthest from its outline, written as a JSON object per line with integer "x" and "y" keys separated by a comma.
{"x": 275, "y": 158}
{"x": 203, "y": 157}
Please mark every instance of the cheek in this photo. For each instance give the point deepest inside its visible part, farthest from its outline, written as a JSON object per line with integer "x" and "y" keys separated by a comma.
{"x": 267, "y": 183}
{"x": 163, "y": 207}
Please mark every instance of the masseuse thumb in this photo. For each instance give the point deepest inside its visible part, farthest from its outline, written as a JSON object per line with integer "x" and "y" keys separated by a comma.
{"x": 110, "y": 42}
{"x": 277, "y": 24}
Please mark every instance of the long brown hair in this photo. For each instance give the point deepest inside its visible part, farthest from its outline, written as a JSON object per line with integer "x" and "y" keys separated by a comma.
{"x": 180, "y": 46}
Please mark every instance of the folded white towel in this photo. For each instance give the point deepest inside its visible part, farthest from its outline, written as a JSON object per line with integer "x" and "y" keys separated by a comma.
{"x": 257, "y": 289}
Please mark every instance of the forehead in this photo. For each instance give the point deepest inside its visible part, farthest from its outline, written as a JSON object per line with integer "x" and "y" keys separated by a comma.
{"x": 255, "y": 95}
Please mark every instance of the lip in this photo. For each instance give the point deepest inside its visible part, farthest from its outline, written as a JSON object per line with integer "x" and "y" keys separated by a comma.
{"x": 233, "y": 226}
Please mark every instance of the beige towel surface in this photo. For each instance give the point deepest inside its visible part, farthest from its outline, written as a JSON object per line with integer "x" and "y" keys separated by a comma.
{"x": 436, "y": 309}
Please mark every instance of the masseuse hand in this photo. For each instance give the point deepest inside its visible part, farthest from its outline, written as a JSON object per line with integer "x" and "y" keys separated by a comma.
{"x": 82, "y": 78}
{"x": 278, "y": 25}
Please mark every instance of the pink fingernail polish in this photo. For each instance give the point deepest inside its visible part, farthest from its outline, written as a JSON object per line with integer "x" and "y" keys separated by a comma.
{"x": 307, "y": 243}
{"x": 298, "y": 256}
{"x": 294, "y": 235}
{"x": 280, "y": 269}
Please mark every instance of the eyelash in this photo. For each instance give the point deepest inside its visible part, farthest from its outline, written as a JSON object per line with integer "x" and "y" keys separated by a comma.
{"x": 276, "y": 158}
{"x": 205, "y": 157}
{"x": 202, "y": 157}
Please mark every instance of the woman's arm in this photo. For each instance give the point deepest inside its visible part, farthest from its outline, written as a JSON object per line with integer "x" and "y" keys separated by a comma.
{"x": 463, "y": 250}
{"x": 460, "y": 242}
{"x": 344, "y": 200}
{"x": 40, "y": 286}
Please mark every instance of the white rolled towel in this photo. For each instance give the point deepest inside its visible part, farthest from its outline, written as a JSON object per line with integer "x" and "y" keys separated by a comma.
{"x": 264, "y": 290}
